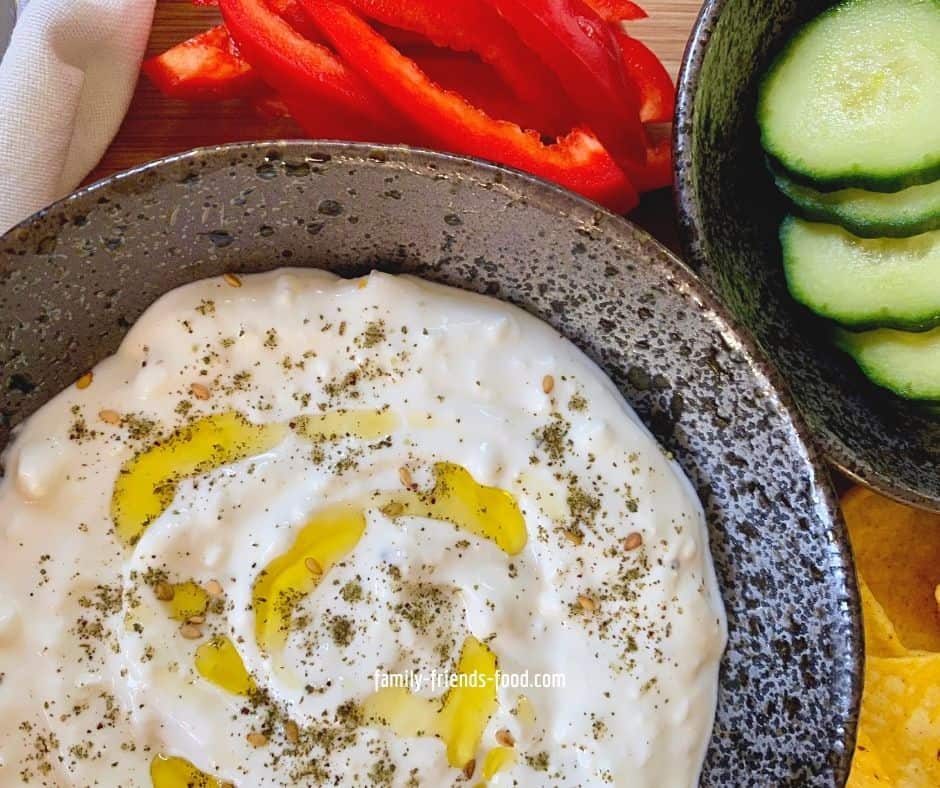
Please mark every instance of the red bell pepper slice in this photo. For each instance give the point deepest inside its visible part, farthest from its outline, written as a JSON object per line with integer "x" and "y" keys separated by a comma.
{"x": 578, "y": 162}
{"x": 477, "y": 81}
{"x": 481, "y": 85}
{"x": 403, "y": 39}
{"x": 175, "y": 71}
{"x": 582, "y": 50}
{"x": 475, "y": 26}
{"x": 617, "y": 10}
{"x": 207, "y": 67}
{"x": 291, "y": 12}
{"x": 657, "y": 172}
{"x": 653, "y": 83}
{"x": 293, "y": 64}
{"x": 294, "y": 15}
{"x": 608, "y": 10}
{"x": 330, "y": 122}
{"x": 318, "y": 121}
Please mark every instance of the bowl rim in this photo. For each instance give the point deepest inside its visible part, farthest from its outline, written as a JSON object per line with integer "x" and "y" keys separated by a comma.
{"x": 827, "y": 500}
{"x": 692, "y": 243}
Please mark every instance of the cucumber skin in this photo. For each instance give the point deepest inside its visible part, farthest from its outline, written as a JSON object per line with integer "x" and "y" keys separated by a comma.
{"x": 913, "y": 326}
{"x": 873, "y": 182}
{"x": 916, "y": 324}
{"x": 843, "y": 341}
{"x": 856, "y": 178}
{"x": 834, "y": 215}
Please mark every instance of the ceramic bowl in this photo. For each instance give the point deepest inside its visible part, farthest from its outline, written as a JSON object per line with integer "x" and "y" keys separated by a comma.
{"x": 7, "y": 20}
{"x": 76, "y": 276}
{"x": 730, "y": 214}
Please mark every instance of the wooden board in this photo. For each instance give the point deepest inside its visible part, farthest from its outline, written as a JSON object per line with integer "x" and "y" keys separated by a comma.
{"x": 156, "y": 126}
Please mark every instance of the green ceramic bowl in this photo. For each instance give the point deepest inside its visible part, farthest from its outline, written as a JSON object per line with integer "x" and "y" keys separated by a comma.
{"x": 730, "y": 213}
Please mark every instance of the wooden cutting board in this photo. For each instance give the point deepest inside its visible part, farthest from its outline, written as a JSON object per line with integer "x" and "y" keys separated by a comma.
{"x": 156, "y": 126}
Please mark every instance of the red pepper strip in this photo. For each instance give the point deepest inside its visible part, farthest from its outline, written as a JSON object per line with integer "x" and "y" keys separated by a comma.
{"x": 617, "y": 10}
{"x": 193, "y": 69}
{"x": 329, "y": 122}
{"x": 402, "y": 39}
{"x": 657, "y": 172}
{"x": 578, "y": 162}
{"x": 319, "y": 122}
{"x": 292, "y": 64}
{"x": 350, "y": 126}
{"x": 298, "y": 19}
{"x": 473, "y": 79}
{"x": 474, "y": 26}
{"x": 481, "y": 85}
{"x": 291, "y": 12}
{"x": 207, "y": 67}
{"x": 582, "y": 50}
{"x": 649, "y": 76}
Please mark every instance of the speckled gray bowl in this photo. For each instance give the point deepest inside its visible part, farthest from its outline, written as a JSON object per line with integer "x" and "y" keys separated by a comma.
{"x": 73, "y": 278}
{"x": 730, "y": 213}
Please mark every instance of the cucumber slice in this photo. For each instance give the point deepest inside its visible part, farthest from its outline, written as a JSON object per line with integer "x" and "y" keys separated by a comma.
{"x": 868, "y": 214}
{"x": 863, "y": 282}
{"x": 853, "y": 99}
{"x": 907, "y": 364}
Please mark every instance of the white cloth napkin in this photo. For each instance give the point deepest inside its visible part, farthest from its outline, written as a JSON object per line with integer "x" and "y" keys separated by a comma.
{"x": 65, "y": 83}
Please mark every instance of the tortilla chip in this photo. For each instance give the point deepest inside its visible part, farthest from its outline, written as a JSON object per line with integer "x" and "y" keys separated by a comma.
{"x": 867, "y": 770}
{"x": 880, "y": 638}
{"x": 897, "y": 551}
{"x": 900, "y": 722}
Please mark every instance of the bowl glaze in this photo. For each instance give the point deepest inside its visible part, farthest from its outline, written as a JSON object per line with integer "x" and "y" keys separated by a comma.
{"x": 729, "y": 214}
{"x": 7, "y": 20}
{"x": 76, "y": 276}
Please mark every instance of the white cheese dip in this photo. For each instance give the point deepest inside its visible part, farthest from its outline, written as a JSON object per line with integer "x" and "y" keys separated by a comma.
{"x": 285, "y": 493}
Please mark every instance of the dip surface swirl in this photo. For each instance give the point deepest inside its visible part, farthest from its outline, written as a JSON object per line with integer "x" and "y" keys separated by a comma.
{"x": 301, "y": 530}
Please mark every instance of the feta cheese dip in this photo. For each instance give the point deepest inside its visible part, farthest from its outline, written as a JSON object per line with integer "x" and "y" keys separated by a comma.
{"x": 304, "y": 530}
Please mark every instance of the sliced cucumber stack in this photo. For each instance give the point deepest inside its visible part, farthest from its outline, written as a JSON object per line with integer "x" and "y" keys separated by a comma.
{"x": 907, "y": 364}
{"x": 849, "y": 115}
{"x": 868, "y": 214}
{"x": 863, "y": 282}
{"x": 853, "y": 100}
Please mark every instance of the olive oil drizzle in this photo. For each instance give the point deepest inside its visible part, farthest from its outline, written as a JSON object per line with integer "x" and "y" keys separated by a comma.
{"x": 148, "y": 483}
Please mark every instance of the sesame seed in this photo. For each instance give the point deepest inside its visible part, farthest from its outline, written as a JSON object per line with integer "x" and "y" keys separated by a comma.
{"x": 213, "y": 588}
{"x": 109, "y": 416}
{"x": 588, "y": 605}
{"x": 393, "y": 509}
{"x": 231, "y": 279}
{"x": 196, "y": 620}
{"x": 405, "y": 475}
{"x": 257, "y": 739}
{"x": 548, "y": 384}
{"x": 199, "y": 391}
{"x": 633, "y": 541}
{"x": 574, "y": 537}
{"x": 164, "y": 591}
{"x": 84, "y": 381}
{"x": 191, "y": 631}
{"x": 313, "y": 566}
{"x": 291, "y": 732}
{"x": 505, "y": 738}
